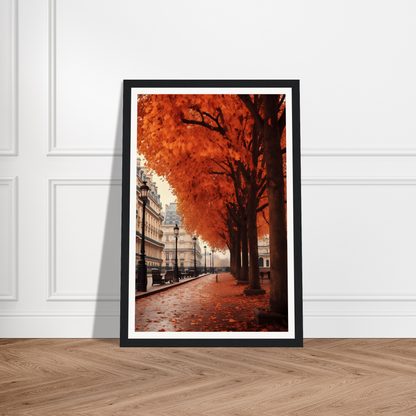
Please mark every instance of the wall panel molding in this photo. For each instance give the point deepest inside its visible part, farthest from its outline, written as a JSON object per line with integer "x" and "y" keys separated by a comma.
{"x": 359, "y": 152}
{"x": 361, "y": 297}
{"x": 56, "y": 314}
{"x": 358, "y": 314}
{"x": 52, "y": 78}
{"x": 359, "y": 181}
{"x": 11, "y": 185}
{"x": 52, "y": 292}
{"x": 11, "y": 150}
{"x": 53, "y": 148}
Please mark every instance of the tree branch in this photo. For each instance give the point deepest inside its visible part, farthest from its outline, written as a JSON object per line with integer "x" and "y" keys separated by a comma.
{"x": 253, "y": 110}
{"x": 262, "y": 207}
{"x": 222, "y": 166}
{"x": 216, "y": 118}
{"x": 203, "y": 124}
{"x": 264, "y": 216}
{"x": 262, "y": 187}
{"x": 236, "y": 220}
{"x": 282, "y": 121}
{"x": 282, "y": 99}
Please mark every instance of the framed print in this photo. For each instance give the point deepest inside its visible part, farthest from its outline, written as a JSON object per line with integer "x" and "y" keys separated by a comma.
{"x": 211, "y": 214}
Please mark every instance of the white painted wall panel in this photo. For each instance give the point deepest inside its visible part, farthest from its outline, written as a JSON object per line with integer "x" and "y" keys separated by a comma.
{"x": 8, "y": 144}
{"x": 8, "y": 239}
{"x": 356, "y": 71}
{"x": 346, "y": 56}
{"x": 62, "y": 66}
{"x": 79, "y": 270}
{"x": 90, "y": 64}
{"x": 359, "y": 238}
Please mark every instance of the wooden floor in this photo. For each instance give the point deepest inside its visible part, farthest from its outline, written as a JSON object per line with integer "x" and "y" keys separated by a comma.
{"x": 96, "y": 377}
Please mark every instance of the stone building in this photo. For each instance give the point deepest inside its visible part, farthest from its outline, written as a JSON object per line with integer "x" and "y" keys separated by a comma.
{"x": 264, "y": 252}
{"x": 153, "y": 242}
{"x": 186, "y": 249}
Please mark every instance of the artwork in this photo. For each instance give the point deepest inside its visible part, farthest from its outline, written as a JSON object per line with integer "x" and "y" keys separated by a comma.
{"x": 211, "y": 220}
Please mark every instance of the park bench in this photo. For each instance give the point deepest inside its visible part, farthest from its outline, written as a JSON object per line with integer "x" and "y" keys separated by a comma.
{"x": 169, "y": 275}
{"x": 157, "y": 278}
{"x": 263, "y": 272}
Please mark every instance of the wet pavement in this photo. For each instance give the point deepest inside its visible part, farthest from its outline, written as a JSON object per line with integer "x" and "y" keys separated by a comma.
{"x": 202, "y": 305}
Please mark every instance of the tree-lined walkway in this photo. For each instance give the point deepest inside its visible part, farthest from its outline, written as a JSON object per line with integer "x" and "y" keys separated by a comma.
{"x": 202, "y": 306}
{"x": 228, "y": 152}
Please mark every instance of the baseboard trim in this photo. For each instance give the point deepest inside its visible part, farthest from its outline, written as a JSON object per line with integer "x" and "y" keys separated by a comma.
{"x": 106, "y": 324}
{"x": 60, "y": 325}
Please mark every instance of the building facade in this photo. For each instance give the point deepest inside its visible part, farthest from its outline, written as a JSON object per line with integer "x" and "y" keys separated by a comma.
{"x": 187, "y": 249}
{"x": 264, "y": 252}
{"x": 153, "y": 241}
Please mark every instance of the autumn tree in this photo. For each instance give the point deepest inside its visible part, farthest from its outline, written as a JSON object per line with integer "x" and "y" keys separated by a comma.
{"x": 269, "y": 113}
{"x": 196, "y": 129}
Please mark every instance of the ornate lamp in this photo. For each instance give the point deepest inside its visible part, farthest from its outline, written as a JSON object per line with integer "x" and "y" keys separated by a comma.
{"x": 205, "y": 268}
{"x": 194, "y": 239}
{"x": 176, "y": 235}
{"x": 141, "y": 285}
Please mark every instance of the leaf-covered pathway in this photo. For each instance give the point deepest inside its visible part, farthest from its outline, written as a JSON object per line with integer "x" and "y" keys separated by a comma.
{"x": 202, "y": 305}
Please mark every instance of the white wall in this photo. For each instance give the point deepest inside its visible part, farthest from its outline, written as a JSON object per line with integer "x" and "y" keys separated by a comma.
{"x": 62, "y": 66}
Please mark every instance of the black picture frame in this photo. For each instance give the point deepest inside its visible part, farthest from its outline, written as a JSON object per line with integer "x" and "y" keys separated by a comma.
{"x": 210, "y": 339}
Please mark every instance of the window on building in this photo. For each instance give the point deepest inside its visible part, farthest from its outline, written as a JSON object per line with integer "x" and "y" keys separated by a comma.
{"x": 181, "y": 238}
{"x": 181, "y": 264}
{"x": 267, "y": 263}
{"x": 167, "y": 256}
{"x": 182, "y": 246}
{"x": 167, "y": 238}
{"x": 261, "y": 262}
{"x": 182, "y": 256}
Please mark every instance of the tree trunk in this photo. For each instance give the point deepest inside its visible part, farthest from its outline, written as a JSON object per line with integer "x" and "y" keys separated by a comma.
{"x": 244, "y": 250}
{"x": 237, "y": 254}
{"x": 232, "y": 267}
{"x": 235, "y": 250}
{"x": 254, "y": 278}
{"x": 277, "y": 209}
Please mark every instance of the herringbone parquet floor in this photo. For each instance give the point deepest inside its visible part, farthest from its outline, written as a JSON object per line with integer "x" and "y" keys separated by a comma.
{"x": 95, "y": 377}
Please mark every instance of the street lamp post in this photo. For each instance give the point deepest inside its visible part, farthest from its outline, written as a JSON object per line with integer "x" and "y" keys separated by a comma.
{"x": 213, "y": 268}
{"x": 141, "y": 285}
{"x": 176, "y": 234}
{"x": 210, "y": 262}
{"x": 267, "y": 250}
{"x": 194, "y": 256}
{"x": 205, "y": 268}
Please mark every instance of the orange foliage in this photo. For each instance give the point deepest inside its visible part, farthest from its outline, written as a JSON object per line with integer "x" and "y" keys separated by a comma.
{"x": 196, "y": 142}
{"x": 203, "y": 146}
